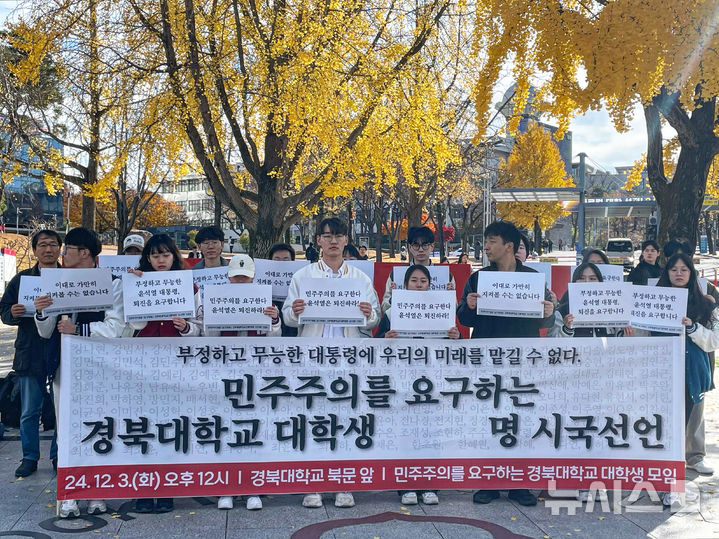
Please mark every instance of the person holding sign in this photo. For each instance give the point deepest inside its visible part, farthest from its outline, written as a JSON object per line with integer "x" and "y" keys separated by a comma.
{"x": 648, "y": 267}
{"x": 210, "y": 239}
{"x": 286, "y": 253}
{"x": 416, "y": 277}
{"x": 501, "y": 241}
{"x": 332, "y": 238}
{"x": 564, "y": 320}
{"x": 81, "y": 249}
{"x": 421, "y": 245}
{"x": 30, "y": 352}
{"x": 702, "y": 336}
{"x": 695, "y": 429}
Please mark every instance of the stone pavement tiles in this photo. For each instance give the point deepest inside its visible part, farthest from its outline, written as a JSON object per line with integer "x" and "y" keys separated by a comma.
{"x": 27, "y": 509}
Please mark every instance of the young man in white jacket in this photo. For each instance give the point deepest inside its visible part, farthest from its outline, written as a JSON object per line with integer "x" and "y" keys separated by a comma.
{"x": 332, "y": 238}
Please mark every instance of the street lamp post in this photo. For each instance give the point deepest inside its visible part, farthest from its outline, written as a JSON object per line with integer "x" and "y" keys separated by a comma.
{"x": 17, "y": 217}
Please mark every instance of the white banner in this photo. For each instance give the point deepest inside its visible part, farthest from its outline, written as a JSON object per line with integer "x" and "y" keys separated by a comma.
{"x": 209, "y": 276}
{"x": 158, "y": 295}
{"x": 658, "y": 308}
{"x": 365, "y": 266}
{"x": 237, "y": 306}
{"x": 77, "y": 290}
{"x": 602, "y": 304}
{"x": 278, "y": 274}
{"x": 156, "y": 417}
{"x": 332, "y": 301}
{"x": 118, "y": 264}
{"x": 510, "y": 293}
{"x": 439, "y": 275}
{"x": 423, "y": 313}
{"x": 30, "y": 288}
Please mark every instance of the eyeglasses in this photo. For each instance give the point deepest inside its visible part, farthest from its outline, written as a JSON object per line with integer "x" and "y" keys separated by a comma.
{"x": 332, "y": 237}
{"x": 51, "y": 245}
{"x": 422, "y": 246}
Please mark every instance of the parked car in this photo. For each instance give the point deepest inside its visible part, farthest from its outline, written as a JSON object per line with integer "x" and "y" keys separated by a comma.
{"x": 621, "y": 251}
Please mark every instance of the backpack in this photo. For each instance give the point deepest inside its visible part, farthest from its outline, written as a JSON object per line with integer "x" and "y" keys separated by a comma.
{"x": 10, "y": 401}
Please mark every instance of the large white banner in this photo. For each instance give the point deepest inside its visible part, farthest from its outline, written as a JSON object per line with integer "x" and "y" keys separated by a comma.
{"x": 77, "y": 289}
{"x": 219, "y": 416}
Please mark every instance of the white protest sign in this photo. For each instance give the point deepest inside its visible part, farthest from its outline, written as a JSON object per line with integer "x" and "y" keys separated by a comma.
{"x": 158, "y": 295}
{"x": 600, "y": 304}
{"x": 118, "y": 264}
{"x": 659, "y": 308}
{"x": 332, "y": 301}
{"x": 209, "y": 276}
{"x": 611, "y": 272}
{"x": 542, "y": 267}
{"x": 278, "y": 274}
{"x": 510, "y": 293}
{"x": 439, "y": 276}
{"x": 202, "y": 416}
{"x": 652, "y": 281}
{"x": 417, "y": 313}
{"x": 365, "y": 266}
{"x": 77, "y": 290}
{"x": 703, "y": 284}
{"x": 237, "y": 306}
{"x": 30, "y": 288}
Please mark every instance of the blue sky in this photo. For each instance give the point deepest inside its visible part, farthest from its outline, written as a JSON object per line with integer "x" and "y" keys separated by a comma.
{"x": 592, "y": 133}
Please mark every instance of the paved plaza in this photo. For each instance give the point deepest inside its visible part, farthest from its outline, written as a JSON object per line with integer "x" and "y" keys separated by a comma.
{"x": 27, "y": 508}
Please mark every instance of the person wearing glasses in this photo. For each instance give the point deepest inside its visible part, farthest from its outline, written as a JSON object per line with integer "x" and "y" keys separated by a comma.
{"x": 81, "y": 249}
{"x": 332, "y": 238}
{"x": 29, "y": 359}
{"x": 210, "y": 239}
{"x": 421, "y": 245}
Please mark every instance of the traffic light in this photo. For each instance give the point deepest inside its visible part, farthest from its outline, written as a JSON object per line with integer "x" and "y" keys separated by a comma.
{"x": 651, "y": 232}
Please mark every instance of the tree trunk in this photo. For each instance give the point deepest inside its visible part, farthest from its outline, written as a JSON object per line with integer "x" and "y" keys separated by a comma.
{"x": 217, "y": 212}
{"x": 414, "y": 210}
{"x": 378, "y": 218}
{"x": 440, "y": 229}
{"x": 88, "y": 212}
{"x": 266, "y": 234}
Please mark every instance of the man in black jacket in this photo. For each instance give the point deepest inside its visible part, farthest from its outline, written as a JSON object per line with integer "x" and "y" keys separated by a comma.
{"x": 501, "y": 240}
{"x": 31, "y": 361}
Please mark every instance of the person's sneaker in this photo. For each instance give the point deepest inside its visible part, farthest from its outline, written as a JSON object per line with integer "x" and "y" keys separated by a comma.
{"x": 344, "y": 499}
{"x": 485, "y": 496}
{"x": 145, "y": 505}
{"x": 312, "y": 500}
{"x": 96, "y": 507}
{"x": 69, "y": 508}
{"x": 523, "y": 497}
{"x": 701, "y": 468}
{"x": 672, "y": 500}
{"x": 225, "y": 502}
{"x": 164, "y": 505}
{"x": 254, "y": 503}
{"x": 409, "y": 498}
{"x": 27, "y": 467}
{"x": 430, "y": 498}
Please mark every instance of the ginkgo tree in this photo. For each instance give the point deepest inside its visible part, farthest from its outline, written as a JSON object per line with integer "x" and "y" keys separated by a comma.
{"x": 276, "y": 97}
{"x": 534, "y": 162}
{"x": 662, "y": 56}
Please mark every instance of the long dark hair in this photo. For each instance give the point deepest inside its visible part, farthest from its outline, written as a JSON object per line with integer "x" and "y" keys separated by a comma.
{"x": 160, "y": 243}
{"x": 699, "y": 307}
{"x": 411, "y": 270}
{"x": 598, "y": 252}
{"x": 563, "y": 306}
